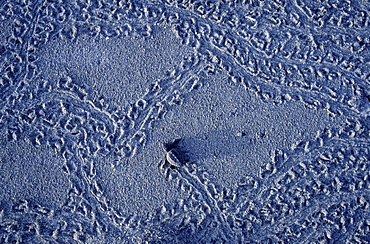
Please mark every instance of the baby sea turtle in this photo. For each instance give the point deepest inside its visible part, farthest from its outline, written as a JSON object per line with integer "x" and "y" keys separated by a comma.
{"x": 174, "y": 157}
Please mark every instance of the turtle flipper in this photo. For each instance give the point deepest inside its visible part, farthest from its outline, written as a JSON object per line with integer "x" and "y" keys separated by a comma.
{"x": 161, "y": 165}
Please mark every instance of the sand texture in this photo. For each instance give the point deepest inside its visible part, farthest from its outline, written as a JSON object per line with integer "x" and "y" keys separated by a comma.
{"x": 184, "y": 121}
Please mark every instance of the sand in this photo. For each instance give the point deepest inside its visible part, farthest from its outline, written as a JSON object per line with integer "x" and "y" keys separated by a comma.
{"x": 269, "y": 101}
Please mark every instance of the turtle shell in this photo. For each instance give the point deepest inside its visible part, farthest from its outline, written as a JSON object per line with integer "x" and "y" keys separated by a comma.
{"x": 175, "y": 157}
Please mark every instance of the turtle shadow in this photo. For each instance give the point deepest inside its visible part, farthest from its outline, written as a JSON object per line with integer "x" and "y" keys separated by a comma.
{"x": 221, "y": 143}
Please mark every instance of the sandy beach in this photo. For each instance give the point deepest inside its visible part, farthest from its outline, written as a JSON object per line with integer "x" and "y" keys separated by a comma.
{"x": 166, "y": 121}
